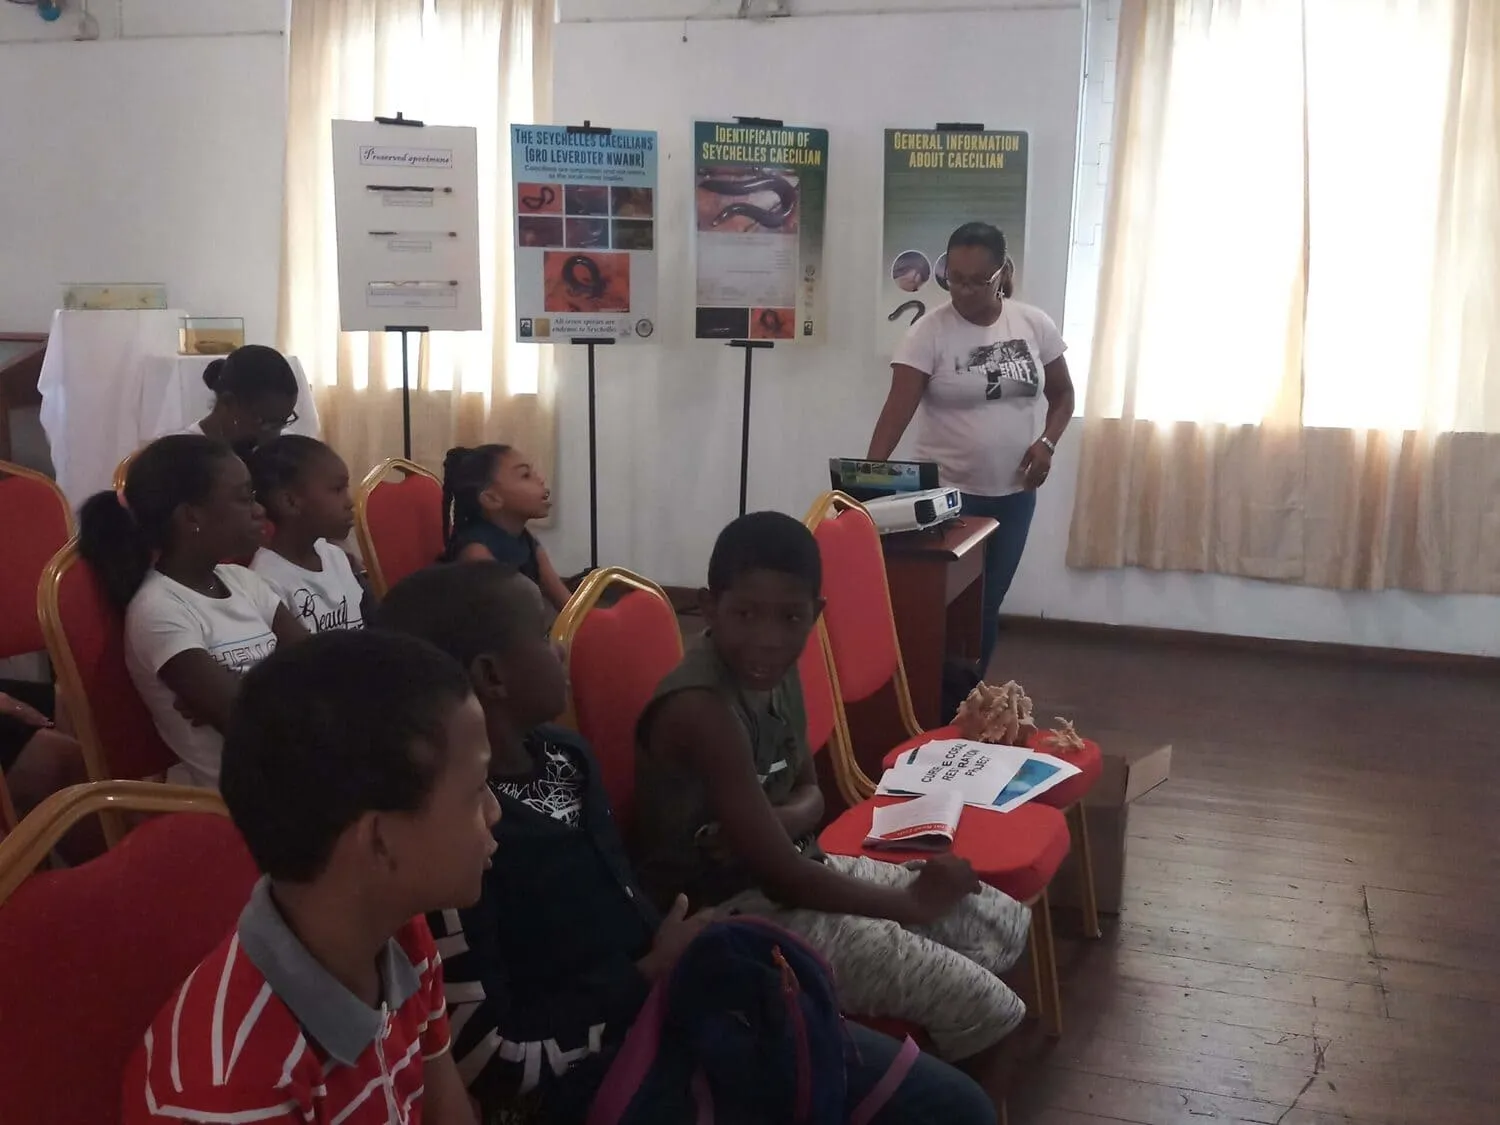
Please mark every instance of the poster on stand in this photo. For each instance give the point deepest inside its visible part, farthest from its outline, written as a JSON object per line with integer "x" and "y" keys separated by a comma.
{"x": 760, "y": 193}
{"x": 935, "y": 181}
{"x": 406, "y": 210}
{"x": 585, "y": 235}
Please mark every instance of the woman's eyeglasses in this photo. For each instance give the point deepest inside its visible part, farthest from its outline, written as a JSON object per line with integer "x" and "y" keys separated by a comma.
{"x": 974, "y": 284}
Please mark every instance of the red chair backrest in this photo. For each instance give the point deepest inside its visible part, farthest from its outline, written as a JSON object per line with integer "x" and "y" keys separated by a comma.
{"x": 86, "y": 639}
{"x": 36, "y": 524}
{"x": 861, "y": 628}
{"x": 817, "y": 693}
{"x": 403, "y": 521}
{"x": 616, "y": 659}
{"x": 88, "y": 955}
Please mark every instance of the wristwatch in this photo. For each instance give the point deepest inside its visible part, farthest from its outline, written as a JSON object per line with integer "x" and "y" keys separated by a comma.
{"x": 1049, "y": 443}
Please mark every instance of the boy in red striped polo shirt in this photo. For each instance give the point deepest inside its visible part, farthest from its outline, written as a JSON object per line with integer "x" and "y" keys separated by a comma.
{"x": 355, "y": 767}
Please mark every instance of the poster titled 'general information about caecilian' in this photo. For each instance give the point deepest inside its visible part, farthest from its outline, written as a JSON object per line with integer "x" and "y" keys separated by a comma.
{"x": 585, "y": 233}
{"x": 760, "y": 193}
{"x": 935, "y": 181}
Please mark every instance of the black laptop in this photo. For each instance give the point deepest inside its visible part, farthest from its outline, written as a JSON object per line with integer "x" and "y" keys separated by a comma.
{"x": 867, "y": 480}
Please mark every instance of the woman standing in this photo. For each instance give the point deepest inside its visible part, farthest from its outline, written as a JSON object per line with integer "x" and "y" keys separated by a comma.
{"x": 976, "y": 368}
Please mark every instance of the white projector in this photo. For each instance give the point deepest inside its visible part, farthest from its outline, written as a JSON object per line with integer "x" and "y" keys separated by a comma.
{"x": 913, "y": 511}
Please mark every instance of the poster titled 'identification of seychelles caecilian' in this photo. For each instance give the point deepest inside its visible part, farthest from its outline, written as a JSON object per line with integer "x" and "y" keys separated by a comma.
{"x": 759, "y": 195}
{"x": 935, "y": 181}
{"x": 585, "y": 233}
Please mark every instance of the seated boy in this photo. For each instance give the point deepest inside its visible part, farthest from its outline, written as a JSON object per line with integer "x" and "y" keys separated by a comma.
{"x": 547, "y": 973}
{"x": 354, "y": 766}
{"x": 728, "y": 807}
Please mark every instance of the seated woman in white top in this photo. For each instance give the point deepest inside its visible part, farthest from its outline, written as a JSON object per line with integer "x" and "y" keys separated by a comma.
{"x": 973, "y": 372}
{"x": 193, "y": 625}
{"x": 255, "y": 398}
{"x": 304, "y": 487}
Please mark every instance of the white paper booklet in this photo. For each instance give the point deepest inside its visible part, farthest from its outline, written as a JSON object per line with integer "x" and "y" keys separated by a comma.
{"x": 922, "y": 823}
{"x": 983, "y": 774}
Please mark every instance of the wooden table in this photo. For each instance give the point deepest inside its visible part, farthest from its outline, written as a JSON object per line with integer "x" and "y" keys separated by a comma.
{"x": 937, "y": 592}
{"x": 21, "y": 356}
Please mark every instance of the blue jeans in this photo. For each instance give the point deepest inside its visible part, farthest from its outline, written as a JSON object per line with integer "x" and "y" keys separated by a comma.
{"x": 933, "y": 1092}
{"x": 1002, "y": 554}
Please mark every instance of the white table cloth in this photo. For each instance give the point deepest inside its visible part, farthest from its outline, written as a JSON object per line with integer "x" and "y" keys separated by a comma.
{"x": 91, "y": 386}
{"x": 112, "y": 381}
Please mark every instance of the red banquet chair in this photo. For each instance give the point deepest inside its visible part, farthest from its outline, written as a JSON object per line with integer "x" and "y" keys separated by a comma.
{"x": 37, "y": 523}
{"x": 85, "y": 637}
{"x": 616, "y": 656}
{"x": 399, "y": 522}
{"x": 866, "y": 654}
{"x": 1017, "y": 852}
{"x": 89, "y": 954}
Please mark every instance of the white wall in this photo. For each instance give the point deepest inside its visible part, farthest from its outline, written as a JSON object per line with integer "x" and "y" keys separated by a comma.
{"x": 669, "y": 413}
{"x": 154, "y": 154}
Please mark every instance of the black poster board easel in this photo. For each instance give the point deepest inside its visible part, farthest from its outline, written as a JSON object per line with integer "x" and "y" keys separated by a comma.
{"x": 591, "y": 342}
{"x": 750, "y": 346}
{"x": 405, "y": 330}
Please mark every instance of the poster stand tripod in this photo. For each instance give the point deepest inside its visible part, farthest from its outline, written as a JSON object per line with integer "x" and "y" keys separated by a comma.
{"x": 591, "y": 343}
{"x": 750, "y": 347}
{"x": 589, "y": 128}
{"x": 405, "y": 330}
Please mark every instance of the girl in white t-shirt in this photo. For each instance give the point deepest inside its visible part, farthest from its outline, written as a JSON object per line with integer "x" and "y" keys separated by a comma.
{"x": 304, "y": 487}
{"x": 973, "y": 372}
{"x": 193, "y": 624}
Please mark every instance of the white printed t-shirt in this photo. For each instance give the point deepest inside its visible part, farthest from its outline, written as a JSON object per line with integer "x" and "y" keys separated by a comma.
{"x": 978, "y": 414}
{"x": 320, "y": 600}
{"x": 165, "y": 619}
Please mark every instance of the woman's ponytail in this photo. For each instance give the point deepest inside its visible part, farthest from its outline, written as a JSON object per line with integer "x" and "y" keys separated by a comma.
{"x": 115, "y": 545}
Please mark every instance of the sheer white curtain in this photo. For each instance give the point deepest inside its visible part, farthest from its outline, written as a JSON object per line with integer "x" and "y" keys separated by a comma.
{"x": 1297, "y": 360}
{"x": 485, "y": 63}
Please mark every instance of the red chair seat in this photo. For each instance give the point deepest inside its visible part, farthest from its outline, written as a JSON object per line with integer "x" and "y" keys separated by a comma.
{"x": 1016, "y": 852}
{"x": 1089, "y": 760}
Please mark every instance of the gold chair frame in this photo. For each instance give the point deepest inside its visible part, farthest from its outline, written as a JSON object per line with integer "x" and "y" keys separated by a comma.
{"x": 11, "y": 469}
{"x": 373, "y": 479}
{"x": 70, "y": 680}
{"x": 585, "y": 599}
{"x": 28, "y": 847}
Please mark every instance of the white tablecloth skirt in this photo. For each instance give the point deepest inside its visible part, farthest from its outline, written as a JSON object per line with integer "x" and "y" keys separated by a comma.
{"x": 112, "y": 381}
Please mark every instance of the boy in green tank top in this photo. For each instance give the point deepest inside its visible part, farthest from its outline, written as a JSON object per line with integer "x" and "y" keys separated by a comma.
{"x": 728, "y": 808}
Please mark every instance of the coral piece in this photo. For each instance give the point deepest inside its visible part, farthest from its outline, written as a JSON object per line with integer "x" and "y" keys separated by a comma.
{"x": 1063, "y": 738}
{"x": 1000, "y": 715}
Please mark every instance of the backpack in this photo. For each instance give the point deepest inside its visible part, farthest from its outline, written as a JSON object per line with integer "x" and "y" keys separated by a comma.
{"x": 744, "y": 1030}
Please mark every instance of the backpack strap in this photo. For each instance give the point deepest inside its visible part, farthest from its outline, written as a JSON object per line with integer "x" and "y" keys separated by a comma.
{"x": 889, "y": 1082}
{"x": 633, "y": 1062}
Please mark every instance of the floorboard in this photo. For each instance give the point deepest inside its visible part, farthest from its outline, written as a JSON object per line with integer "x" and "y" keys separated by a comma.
{"x": 1310, "y": 932}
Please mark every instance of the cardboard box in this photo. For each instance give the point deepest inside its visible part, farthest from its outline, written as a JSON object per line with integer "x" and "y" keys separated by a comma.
{"x": 1130, "y": 772}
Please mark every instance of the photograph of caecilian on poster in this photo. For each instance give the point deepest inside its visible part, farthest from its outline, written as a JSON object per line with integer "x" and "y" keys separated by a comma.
{"x": 760, "y": 192}
{"x": 585, "y": 233}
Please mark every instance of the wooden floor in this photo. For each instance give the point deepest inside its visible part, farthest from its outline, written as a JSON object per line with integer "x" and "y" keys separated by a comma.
{"x": 1311, "y": 928}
